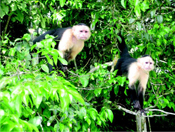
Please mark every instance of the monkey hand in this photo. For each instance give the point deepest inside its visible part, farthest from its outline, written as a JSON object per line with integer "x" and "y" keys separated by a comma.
{"x": 136, "y": 105}
{"x": 142, "y": 111}
{"x": 64, "y": 67}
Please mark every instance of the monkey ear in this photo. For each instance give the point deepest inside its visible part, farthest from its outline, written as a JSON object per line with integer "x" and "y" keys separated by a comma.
{"x": 74, "y": 28}
{"x": 139, "y": 62}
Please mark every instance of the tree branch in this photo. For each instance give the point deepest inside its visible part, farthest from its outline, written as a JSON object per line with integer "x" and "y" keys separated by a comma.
{"x": 165, "y": 113}
{"x": 125, "y": 110}
{"x": 103, "y": 66}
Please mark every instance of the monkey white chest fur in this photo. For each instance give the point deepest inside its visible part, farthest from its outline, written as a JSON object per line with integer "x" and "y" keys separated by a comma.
{"x": 72, "y": 41}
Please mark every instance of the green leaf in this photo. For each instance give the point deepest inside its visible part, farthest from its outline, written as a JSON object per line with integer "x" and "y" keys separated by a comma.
{"x": 4, "y": 82}
{"x": 62, "y": 3}
{"x": 119, "y": 38}
{"x": 93, "y": 113}
{"x": 36, "y": 120}
{"x": 43, "y": 22}
{"x": 5, "y": 8}
{"x": 88, "y": 121}
{"x": 110, "y": 115}
{"x": 25, "y": 99}
{"x": 75, "y": 94}
{"x": 131, "y": 20}
{"x": 84, "y": 79}
{"x": 137, "y": 11}
{"x": 12, "y": 51}
{"x": 64, "y": 99}
{"x": 26, "y": 37}
{"x": 2, "y": 13}
{"x": 136, "y": 3}
{"x": 104, "y": 114}
{"x": 54, "y": 53}
{"x": 99, "y": 121}
{"x": 61, "y": 126}
{"x": 45, "y": 68}
{"x": 116, "y": 90}
{"x": 97, "y": 91}
{"x": 82, "y": 113}
{"x": 38, "y": 100}
{"x": 30, "y": 126}
{"x": 13, "y": 6}
{"x": 153, "y": 12}
{"x": 144, "y": 6}
{"x": 20, "y": 16}
{"x": 159, "y": 19}
{"x": 50, "y": 61}
{"x": 123, "y": 2}
{"x": 139, "y": 26}
{"x": 2, "y": 112}
{"x": 63, "y": 61}
{"x": 121, "y": 80}
{"x": 17, "y": 105}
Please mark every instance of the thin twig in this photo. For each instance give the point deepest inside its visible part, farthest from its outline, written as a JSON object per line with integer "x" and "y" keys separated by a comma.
{"x": 6, "y": 26}
{"x": 103, "y": 66}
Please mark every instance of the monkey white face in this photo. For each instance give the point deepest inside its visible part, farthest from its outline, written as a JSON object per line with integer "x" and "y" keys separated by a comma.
{"x": 146, "y": 63}
{"x": 81, "y": 32}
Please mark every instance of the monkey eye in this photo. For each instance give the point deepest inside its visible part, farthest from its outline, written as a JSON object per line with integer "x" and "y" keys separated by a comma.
{"x": 81, "y": 31}
{"x": 146, "y": 62}
{"x": 86, "y": 31}
{"x": 151, "y": 63}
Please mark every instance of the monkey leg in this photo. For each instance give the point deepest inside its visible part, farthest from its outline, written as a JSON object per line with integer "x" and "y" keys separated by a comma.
{"x": 64, "y": 67}
{"x": 75, "y": 65}
{"x": 70, "y": 57}
{"x": 134, "y": 97}
{"x": 140, "y": 96}
{"x": 50, "y": 67}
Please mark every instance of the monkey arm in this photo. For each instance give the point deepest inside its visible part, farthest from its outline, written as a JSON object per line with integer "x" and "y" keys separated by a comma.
{"x": 65, "y": 43}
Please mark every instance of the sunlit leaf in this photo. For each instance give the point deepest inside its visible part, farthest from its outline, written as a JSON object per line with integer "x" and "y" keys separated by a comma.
{"x": 93, "y": 113}
{"x": 123, "y": 2}
{"x": 110, "y": 115}
{"x": 137, "y": 11}
{"x": 64, "y": 99}
{"x": 36, "y": 120}
{"x": 63, "y": 61}
{"x": 75, "y": 94}
{"x": 159, "y": 18}
{"x": 12, "y": 51}
{"x": 84, "y": 79}
{"x": 144, "y": 6}
{"x": 27, "y": 37}
{"x": 38, "y": 100}
{"x": 97, "y": 91}
{"x": 153, "y": 12}
{"x": 131, "y": 20}
{"x": 62, "y": 3}
{"x": 82, "y": 113}
{"x": 2, "y": 13}
{"x": 45, "y": 68}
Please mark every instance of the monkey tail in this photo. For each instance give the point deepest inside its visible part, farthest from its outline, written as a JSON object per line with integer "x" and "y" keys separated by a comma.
{"x": 123, "y": 47}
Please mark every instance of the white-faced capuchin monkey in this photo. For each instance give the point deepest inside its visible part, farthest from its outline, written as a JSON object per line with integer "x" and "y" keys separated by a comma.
{"x": 71, "y": 41}
{"x": 136, "y": 70}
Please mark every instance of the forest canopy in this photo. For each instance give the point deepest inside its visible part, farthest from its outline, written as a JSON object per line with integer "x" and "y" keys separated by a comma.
{"x": 32, "y": 99}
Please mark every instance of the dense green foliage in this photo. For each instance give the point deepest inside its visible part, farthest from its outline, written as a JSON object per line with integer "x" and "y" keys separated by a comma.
{"x": 33, "y": 100}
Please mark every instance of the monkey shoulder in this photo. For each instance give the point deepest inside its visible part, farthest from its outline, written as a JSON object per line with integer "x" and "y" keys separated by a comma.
{"x": 126, "y": 63}
{"x": 59, "y": 32}
{"x": 66, "y": 40}
{"x": 41, "y": 37}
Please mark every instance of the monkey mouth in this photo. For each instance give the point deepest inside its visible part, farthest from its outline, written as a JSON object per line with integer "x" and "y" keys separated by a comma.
{"x": 148, "y": 69}
{"x": 83, "y": 38}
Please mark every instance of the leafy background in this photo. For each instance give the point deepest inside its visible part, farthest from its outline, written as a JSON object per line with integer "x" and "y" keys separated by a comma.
{"x": 31, "y": 100}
